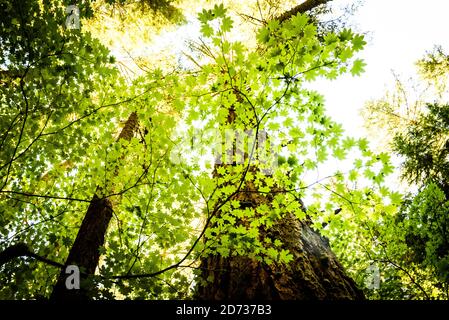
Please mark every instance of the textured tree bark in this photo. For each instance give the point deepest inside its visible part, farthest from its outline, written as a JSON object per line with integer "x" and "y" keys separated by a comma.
{"x": 85, "y": 252}
{"x": 314, "y": 274}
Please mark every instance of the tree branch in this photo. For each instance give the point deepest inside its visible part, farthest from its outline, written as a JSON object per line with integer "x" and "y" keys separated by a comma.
{"x": 22, "y": 250}
{"x": 301, "y": 8}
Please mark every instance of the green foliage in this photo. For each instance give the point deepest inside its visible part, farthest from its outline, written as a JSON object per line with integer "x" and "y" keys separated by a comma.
{"x": 426, "y": 222}
{"x": 425, "y": 146}
{"x": 63, "y": 105}
{"x": 266, "y": 90}
{"x": 406, "y": 236}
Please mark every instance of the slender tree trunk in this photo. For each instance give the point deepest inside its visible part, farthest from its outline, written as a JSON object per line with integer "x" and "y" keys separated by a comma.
{"x": 85, "y": 251}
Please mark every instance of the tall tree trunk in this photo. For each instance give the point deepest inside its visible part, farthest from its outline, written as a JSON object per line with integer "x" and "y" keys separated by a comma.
{"x": 85, "y": 251}
{"x": 314, "y": 274}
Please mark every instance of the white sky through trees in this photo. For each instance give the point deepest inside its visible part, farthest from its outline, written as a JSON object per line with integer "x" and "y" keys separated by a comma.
{"x": 399, "y": 33}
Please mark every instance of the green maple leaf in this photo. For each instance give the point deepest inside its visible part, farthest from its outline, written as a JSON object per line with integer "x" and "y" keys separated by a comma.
{"x": 207, "y": 30}
{"x": 358, "y": 67}
{"x": 277, "y": 243}
{"x": 205, "y": 16}
{"x": 346, "y": 34}
{"x": 272, "y": 253}
{"x": 285, "y": 256}
{"x": 263, "y": 35}
{"x": 339, "y": 153}
{"x": 346, "y": 54}
{"x": 396, "y": 198}
{"x": 358, "y": 42}
{"x": 226, "y": 24}
{"x": 299, "y": 21}
{"x": 219, "y": 11}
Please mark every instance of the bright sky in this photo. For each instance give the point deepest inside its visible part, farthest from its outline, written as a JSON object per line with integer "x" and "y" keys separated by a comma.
{"x": 400, "y": 32}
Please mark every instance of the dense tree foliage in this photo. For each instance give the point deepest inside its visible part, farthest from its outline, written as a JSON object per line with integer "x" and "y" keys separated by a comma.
{"x": 153, "y": 183}
{"x": 416, "y": 240}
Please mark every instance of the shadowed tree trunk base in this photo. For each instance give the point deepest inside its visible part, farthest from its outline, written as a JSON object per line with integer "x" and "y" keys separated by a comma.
{"x": 314, "y": 274}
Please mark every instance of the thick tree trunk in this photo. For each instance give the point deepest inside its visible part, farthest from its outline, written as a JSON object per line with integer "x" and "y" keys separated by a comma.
{"x": 314, "y": 274}
{"x": 85, "y": 251}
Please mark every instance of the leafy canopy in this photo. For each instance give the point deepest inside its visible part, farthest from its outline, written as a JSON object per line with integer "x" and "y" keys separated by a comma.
{"x": 63, "y": 103}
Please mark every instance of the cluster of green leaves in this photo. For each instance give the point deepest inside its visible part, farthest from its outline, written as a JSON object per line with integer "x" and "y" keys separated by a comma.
{"x": 425, "y": 146}
{"x": 50, "y": 76}
{"x": 63, "y": 104}
{"x": 426, "y": 223}
{"x": 406, "y": 236}
{"x": 406, "y": 240}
